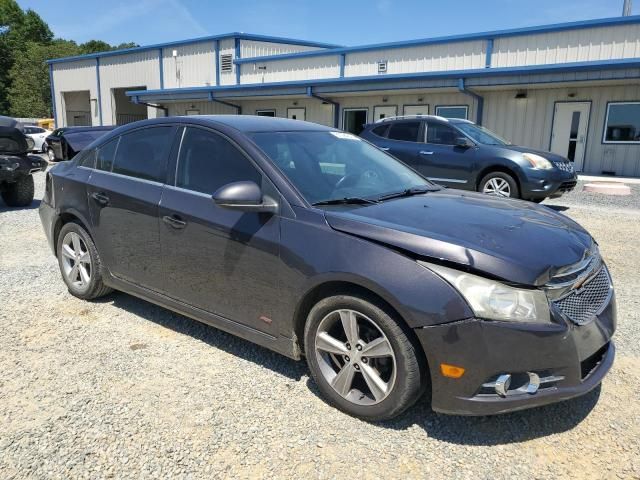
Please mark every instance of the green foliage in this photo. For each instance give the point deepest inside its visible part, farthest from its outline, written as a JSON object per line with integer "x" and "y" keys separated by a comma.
{"x": 26, "y": 42}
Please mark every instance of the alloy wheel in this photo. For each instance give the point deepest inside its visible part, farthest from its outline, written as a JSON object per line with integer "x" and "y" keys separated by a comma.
{"x": 355, "y": 357}
{"x": 51, "y": 155}
{"x": 497, "y": 186}
{"x": 76, "y": 261}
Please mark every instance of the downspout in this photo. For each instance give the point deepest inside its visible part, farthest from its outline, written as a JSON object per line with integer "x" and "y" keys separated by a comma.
{"x": 53, "y": 97}
{"x": 336, "y": 105}
{"x": 159, "y": 107}
{"x": 233, "y": 105}
{"x": 478, "y": 98}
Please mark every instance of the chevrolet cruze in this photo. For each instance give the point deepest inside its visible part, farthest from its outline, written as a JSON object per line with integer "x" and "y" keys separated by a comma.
{"x": 314, "y": 243}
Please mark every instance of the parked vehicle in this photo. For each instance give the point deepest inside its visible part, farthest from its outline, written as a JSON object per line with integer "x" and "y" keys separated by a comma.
{"x": 39, "y": 136}
{"x": 64, "y": 143}
{"x": 16, "y": 165}
{"x": 460, "y": 154}
{"x": 312, "y": 242}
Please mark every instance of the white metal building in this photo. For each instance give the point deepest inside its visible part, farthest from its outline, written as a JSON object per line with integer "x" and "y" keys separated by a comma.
{"x": 572, "y": 88}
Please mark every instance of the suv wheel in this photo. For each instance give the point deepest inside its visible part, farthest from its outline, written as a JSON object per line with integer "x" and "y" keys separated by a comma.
{"x": 499, "y": 184}
{"x": 362, "y": 360}
{"x": 51, "y": 155}
{"x": 80, "y": 263}
{"x": 19, "y": 193}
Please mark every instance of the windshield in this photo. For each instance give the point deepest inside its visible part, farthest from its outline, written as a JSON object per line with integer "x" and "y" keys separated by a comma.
{"x": 481, "y": 135}
{"x": 327, "y": 166}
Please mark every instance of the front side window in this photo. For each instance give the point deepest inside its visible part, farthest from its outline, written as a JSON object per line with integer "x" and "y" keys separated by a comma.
{"x": 441, "y": 134}
{"x": 622, "y": 124}
{"x": 454, "y": 111}
{"x": 404, "y": 131}
{"x": 208, "y": 161}
{"x": 327, "y": 165}
{"x": 106, "y": 154}
{"x": 143, "y": 153}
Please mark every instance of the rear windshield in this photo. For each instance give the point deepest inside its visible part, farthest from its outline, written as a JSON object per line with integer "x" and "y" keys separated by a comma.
{"x": 8, "y": 145}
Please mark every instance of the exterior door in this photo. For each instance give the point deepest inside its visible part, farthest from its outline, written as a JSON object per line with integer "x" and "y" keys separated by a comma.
{"x": 296, "y": 113}
{"x": 570, "y": 123}
{"x": 215, "y": 258}
{"x": 415, "y": 110}
{"x": 384, "y": 111}
{"x": 124, "y": 195}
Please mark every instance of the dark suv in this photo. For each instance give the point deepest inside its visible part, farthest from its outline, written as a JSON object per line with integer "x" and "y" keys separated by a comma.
{"x": 312, "y": 242}
{"x": 460, "y": 154}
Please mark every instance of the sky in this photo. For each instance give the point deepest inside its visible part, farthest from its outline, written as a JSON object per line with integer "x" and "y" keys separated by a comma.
{"x": 344, "y": 22}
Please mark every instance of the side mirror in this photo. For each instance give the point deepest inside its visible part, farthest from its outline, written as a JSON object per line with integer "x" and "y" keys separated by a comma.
{"x": 464, "y": 142}
{"x": 245, "y": 197}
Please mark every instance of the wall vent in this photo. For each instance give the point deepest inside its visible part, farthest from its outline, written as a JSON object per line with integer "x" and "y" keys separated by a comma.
{"x": 382, "y": 66}
{"x": 226, "y": 62}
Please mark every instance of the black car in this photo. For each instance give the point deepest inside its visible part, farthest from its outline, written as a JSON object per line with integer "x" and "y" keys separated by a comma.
{"x": 312, "y": 242}
{"x": 65, "y": 143}
{"x": 16, "y": 165}
{"x": 460, "y": 154}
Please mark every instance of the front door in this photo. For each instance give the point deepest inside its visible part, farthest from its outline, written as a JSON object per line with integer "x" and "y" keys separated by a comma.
{"x": 296, "y": 113}
{"x": 222, "y": 261}
{"x": 570, "y": 123}
{"x": 384, "y": 111}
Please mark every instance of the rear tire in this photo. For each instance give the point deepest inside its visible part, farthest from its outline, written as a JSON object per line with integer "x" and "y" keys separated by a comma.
{"x": 20, "y": 193}
{"x": 381, "y": 383}
{"x": 499, "y": 184}
{"x": 51, "y": 155}
{"x": 80, "y": 263}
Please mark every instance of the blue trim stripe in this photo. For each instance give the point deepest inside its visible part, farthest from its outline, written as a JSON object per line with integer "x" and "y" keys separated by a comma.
{"x": 455, "y": 74}
{"x": 53, "y": 97}
{"x": 243, "y": 36}
{"x": 489, "y": 52}
{"x": 161, "y": 66}
{"x": 99, "y": 90}
{"x": 238, "y": 55}
{"x": 454, "y": 38}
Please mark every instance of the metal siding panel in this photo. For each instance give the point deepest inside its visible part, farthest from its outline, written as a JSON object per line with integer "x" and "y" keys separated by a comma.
{"x": 72, "y": 77}
{"x": 227, "y": 47}
{"x": 252, "y": 48}
{"x": 291, "y": 70}
{"x": 193, "y": 67}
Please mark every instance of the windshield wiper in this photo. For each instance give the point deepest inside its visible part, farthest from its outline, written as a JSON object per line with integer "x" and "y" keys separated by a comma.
{"x": 408, "y": 193}
{"x": 345, "y": 201}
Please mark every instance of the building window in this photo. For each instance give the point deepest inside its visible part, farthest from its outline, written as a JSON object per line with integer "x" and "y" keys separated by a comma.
{"x": 622, "y": 123}
{"x": 453, "y": 111}
{"x": 266, "y": 113}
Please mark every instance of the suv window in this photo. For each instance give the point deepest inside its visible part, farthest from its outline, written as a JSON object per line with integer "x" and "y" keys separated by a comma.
{"x": 405, "y": 131}
{"x": 442, "y": 134}
{"x": 207, "y": 161}
{"x": 105, "y": 155}
{"x": 143, "y": 153}
{"x": 380, "y": 130}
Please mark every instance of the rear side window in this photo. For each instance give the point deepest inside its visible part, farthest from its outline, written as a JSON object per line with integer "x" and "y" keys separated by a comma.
{"x": 380, "y": 131}
{"x": 405, "y": 131}
{"x": 143, "y": 153}
{"x": 86, "y": 158}
{"x": 442, "y": 134}
{"x": 208, "y": 161}
{"x": 105, "y": 155}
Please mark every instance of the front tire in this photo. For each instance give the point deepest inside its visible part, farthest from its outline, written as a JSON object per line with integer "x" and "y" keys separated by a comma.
{"x": 499, "y": 184}
{"x": 19, "y": 193}
{"x": 80, "y": 263}
{"x": 362, "y": 359}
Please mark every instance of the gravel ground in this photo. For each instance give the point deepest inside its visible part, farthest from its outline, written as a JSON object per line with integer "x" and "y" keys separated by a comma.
{"x": 122, "y": 388}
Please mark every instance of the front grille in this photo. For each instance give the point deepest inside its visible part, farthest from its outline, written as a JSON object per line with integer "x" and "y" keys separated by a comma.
{"x": 583, "y": 304}
{"x": 588, "y": 366}
{"x": 564, "y": 166}
{"x": 567, "y": 186}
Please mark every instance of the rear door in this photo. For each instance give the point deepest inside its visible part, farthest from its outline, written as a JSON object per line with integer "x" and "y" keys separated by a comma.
{"x": 219, "y": 260}
{"x": 124, "y": 195}
{"x": 403, "y": 141}
{"x": 442, "y": 161}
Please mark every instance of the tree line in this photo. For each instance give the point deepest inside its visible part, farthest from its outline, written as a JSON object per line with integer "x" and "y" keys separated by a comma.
{"x": 26, "y": 42}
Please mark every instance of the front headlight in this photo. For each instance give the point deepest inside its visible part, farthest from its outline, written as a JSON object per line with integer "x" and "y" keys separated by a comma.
{"x": 537, "y": 161}
{"x": 493, "y": 300}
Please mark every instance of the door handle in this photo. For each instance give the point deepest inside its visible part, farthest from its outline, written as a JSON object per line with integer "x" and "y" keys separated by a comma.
{"x": 101, "y": 198}
{"x": 174, "y": 221}
{"x": 386, "y": 149}
{"x": 424, "y": 152}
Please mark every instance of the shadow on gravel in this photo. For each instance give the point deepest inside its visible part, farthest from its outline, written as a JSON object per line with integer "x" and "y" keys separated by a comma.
{"x": 558, "y": 208}
{"x": 210, "y": 335}
{"x": 5, "y": 208}
{"x": 503, "y": 429}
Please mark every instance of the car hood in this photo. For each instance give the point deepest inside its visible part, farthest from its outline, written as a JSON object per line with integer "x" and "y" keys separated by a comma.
{"x": 513, "y": 240}
{"x": 554, "y": 157}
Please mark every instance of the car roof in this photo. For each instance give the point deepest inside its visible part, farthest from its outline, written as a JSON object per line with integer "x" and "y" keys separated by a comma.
{"x": 8, "y": 122}
{"x": 84, "y": 129}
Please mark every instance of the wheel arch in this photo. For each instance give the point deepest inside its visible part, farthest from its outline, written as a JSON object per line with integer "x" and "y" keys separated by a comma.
{"x": 63, "y": 219}
{"x": 498, "y": 168}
